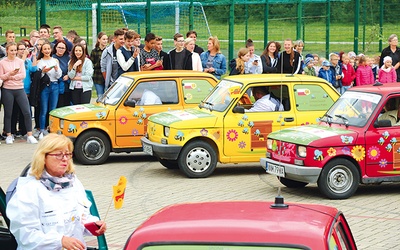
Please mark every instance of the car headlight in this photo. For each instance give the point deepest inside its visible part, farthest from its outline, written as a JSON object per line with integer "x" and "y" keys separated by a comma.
{"x": 166, "y": 131}
{"x": 61, "y": 123}
{"x": 269, "y": 143}
{"x": 301, "y": 150}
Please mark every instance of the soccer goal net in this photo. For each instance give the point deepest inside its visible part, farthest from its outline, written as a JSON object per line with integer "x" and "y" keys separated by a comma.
{"x": 167, "y": 18}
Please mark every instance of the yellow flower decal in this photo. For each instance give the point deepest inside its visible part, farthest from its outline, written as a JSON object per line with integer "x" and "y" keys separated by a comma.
{"x": 331, "y": 152}
{"x": 358, "y": 153}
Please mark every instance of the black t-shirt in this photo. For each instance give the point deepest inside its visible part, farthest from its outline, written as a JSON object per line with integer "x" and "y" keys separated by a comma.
{"x": 179, "y": 60}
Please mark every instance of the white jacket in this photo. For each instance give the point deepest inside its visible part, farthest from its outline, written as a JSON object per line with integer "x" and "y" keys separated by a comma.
{"x": 40, "y": 218}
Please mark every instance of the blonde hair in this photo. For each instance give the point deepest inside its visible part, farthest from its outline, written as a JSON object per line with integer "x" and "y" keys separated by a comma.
{"x": 239, "y": 61}
{"x": 48, "y": 144}
{"x": 215, "y": 42}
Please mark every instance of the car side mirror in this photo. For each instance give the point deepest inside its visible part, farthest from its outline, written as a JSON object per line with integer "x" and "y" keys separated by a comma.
{"x": 382, "y": 123}
{"x": 130, "y": 103}
{"x": 238, "y": 109}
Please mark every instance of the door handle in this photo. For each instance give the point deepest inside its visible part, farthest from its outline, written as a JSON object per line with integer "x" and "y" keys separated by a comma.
{"x": 288, "y": 119}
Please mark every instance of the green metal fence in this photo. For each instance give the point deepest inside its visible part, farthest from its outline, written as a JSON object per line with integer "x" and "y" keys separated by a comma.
{"x": 324, "y": 26}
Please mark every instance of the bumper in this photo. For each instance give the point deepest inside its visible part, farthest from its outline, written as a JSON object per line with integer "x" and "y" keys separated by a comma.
{"x": 295, "y": 172}
{"x": 162, "y": 151}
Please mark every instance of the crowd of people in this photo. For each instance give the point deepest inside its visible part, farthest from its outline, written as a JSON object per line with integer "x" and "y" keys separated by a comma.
{"x": 47, "y": 75}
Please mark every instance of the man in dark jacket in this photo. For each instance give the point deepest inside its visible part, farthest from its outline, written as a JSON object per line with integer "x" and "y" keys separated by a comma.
{"x": 180, "y": 57}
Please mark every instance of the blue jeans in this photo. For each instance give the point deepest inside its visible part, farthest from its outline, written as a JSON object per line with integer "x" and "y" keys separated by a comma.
{"x": 99, "y": 90}
{"x": 48, "y": 102}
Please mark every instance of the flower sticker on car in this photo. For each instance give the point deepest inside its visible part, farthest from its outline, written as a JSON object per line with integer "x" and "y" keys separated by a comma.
{"x": 374, "y": 153}
{"x": 331, "y": 151}
{"x": 242, "y": 144}
{"x": 358, "y": 152}
{"x": 204, "y": 132}
{"x": 123, "y": 120}
{"x": 232, "y": 135}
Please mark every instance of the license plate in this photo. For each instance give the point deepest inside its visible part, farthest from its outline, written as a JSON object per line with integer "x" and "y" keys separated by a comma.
{"x": 275, "y": 169}
{"x": 148, "y": 149}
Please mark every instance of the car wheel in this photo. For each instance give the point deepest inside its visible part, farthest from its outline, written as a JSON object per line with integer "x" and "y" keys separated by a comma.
{"x": 197, "y": 159}
{"x": 92, "y": 148}
{"x": 170, "y": 164}
{"x": 339, "y": 179}
{"x": 291, "y": 183}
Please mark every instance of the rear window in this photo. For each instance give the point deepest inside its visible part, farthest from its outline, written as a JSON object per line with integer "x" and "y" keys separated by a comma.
{"x": 310, "y": 97}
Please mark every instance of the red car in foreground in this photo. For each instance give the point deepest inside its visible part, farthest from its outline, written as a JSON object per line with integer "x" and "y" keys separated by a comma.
{"x": 243, "y": 225}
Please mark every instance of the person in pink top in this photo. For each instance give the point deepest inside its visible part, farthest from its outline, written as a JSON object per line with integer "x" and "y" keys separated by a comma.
{"x": 364, "y": 75}
{"x": 349, "y": 73}
{"x": 387, "y": 73}
{"x": 12, "y": 73}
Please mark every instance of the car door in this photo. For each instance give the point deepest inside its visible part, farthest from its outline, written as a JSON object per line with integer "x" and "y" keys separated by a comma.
{"x": 244, "y": 135}
{"x": 131, "y": 116}
{"x": 382, "y": 150}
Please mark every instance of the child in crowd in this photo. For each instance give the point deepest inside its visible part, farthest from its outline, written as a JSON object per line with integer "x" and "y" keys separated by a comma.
{"x": 364, "y": 76}
{"x": 326, "y": 73}
{"x": 317, "y": 63}
{"x": 387, "y": 73}
{"x": 349, "y": 73}
{"x": 374, "y": 64}
{"x": 309, "y": 66}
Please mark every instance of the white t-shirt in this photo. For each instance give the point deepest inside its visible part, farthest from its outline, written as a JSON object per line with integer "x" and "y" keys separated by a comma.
{"x": 149, "y": 98}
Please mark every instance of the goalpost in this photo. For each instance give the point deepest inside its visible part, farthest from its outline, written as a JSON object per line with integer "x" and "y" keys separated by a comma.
{"x": 167, "y": 18}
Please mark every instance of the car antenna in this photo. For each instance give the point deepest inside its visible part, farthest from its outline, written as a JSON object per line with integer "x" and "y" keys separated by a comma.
{"x": 279, "y": 201}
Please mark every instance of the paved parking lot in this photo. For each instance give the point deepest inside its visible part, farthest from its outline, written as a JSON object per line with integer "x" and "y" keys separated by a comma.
{"x": 373, "y": 212}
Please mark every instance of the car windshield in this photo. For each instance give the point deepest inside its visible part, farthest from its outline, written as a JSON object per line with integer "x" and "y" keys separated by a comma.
{"x": 116, "y": 91}
{"x": 353, "y": 108}
{"x": 222, "y": 95}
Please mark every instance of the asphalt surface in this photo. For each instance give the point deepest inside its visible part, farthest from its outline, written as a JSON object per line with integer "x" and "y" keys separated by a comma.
{"x": 373, "y": 212}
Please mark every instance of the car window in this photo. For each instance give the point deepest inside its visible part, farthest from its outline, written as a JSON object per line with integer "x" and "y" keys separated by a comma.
{"x": 114, "y": 94}
{"x": 341, "y": 236}
{"x": 310, "y": 97}
{"x": 282, "y": 93}
{"x": 390, "y": 110}
{"x": 155, "y": 92}
{"x": 194, "y": 91}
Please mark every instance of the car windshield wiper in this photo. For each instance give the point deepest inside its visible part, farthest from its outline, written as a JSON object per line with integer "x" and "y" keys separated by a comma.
{"x": 329, "y": 118}
{"x": 345, "y": 120}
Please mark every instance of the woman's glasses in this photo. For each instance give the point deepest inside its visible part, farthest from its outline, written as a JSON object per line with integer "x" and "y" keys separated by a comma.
{"x": 61, "y": 156}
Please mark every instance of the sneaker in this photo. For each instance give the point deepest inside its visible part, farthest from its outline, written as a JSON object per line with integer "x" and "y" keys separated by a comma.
{"x": 36, "y": 133}
{"x": 45, "y": 132}
{"x": 9, "y": 140}
{"x": 40, "y": 136}
{"x": 31, "y": 140}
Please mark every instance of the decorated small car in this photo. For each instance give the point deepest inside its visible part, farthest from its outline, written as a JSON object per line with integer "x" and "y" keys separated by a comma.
{"x": 243, "y": 225}
{"x": 223, "y": 127}
{"x": 118, "y": 121}
{"x": 355, "y": 142}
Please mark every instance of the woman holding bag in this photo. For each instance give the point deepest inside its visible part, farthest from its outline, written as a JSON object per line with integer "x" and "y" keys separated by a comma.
{"x": 80, "y": 71}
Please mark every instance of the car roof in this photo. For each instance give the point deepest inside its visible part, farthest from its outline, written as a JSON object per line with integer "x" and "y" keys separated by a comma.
{"x": 247, "y": 78}
{"x": 167, "y": 73}
{"x": 384, "y": 89}
{"x": 238, "y": 221}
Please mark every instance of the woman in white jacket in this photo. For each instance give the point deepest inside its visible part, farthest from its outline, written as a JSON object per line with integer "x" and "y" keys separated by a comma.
{"x": 49, "y": 209}
{"x": 80, "y": 71}
{"x": 196, "y": 61}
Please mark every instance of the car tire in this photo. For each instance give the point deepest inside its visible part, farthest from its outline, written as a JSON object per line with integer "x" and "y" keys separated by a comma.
{"x": 339, "y": 179}
{"x": 92, "y": 148}
{"x": 170, "y": 164}
{"x": 292, "y": 183}
{"x": 198, "y": 159}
